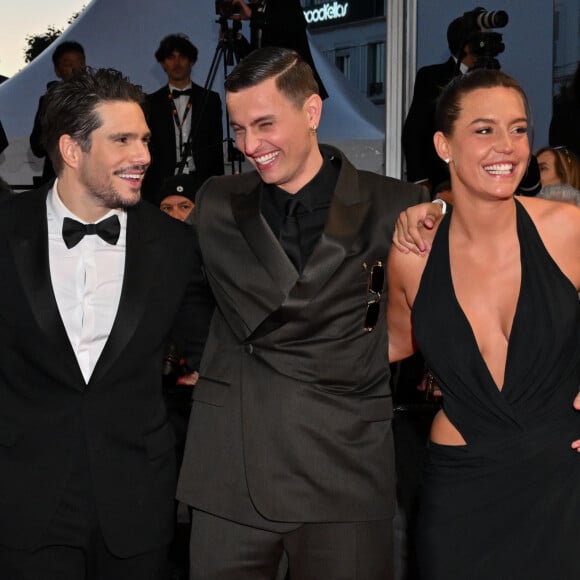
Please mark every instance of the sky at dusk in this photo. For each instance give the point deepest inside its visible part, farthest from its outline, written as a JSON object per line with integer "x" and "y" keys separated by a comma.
{"x": 20, "y": 18}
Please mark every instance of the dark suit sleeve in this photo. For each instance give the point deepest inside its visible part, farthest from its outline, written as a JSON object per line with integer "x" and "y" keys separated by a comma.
{"x": 159, "y": 116}
{"x": 417, "y": 137}
{"x": 208, "y": 142}
{"x": 3, "y": 139}
{"x": 35, "y": 136}
{"x": 196, "y": 311}
{"x": 565, "y": 126}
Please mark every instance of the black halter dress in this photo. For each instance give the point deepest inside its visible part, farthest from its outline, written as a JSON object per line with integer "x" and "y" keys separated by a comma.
{"x": 507, "y": 504}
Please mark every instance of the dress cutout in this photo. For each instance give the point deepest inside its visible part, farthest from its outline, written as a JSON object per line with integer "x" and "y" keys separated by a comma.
{"x": 505, "y": 506}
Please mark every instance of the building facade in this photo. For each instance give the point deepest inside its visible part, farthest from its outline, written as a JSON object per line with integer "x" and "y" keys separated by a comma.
{"x": 351, "y": 34}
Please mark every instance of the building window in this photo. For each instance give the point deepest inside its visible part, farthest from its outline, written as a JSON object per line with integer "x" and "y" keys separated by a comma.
{"x": 376, "y": 70}
{"x": 342, "y": 62}
{"x": 379, "y": 7}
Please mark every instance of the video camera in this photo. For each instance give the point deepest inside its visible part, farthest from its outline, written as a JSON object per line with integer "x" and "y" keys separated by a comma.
{"x": 483, "y": 43}
{"x": 226, "y": 8}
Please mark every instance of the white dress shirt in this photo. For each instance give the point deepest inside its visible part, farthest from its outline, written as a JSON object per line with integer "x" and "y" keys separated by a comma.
{"x": 181, "y": 108}
{"x": 87, "y": 281}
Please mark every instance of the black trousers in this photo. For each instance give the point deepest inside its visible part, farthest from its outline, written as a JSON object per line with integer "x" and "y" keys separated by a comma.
{"x": 73, "y": 547}
{"x": 224, "y": 550}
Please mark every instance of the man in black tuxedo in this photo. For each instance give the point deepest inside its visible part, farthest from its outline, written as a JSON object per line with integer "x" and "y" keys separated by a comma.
{"x": 423, "y": 164}
{"x": 86, "y": 453}
{"x": 289, "y": 444}
{"x": 175, "y": 112}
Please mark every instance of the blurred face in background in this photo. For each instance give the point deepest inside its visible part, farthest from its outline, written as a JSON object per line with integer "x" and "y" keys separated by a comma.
{"x": 177, "y": 206}
{"x": 547, "y": 164}
{"x": 178, "y": 69}
{"x": 69, "y": 64}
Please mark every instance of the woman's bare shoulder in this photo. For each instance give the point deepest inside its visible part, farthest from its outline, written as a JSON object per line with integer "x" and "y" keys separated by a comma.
{"x": 558, "y": 224}
{"x": 553, "y": 217}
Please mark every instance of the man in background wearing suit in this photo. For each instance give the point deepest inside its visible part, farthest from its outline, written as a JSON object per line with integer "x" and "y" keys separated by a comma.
{"x": 181, "y": 111}
{"x": 68, "y": 59}
{"x": 289, "y": 445}
{"x": 423, "y": 164}
{"x": 93, "y": 283}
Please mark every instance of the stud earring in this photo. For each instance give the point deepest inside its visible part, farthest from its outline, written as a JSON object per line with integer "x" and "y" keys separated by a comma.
{"x": 447, "y": 160}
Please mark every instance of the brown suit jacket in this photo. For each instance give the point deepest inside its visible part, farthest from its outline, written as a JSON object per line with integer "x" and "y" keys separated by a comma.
{"x": 291, "y": 420}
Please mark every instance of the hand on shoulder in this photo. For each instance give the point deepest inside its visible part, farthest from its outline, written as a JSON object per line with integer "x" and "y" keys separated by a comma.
{"x": 416, "y": 227}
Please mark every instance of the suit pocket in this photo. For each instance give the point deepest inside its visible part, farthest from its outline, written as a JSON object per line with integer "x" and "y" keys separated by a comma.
{"x": 376, "y": 408}
{"x": 160, "y": 441}
{"x": 210, "y": 391}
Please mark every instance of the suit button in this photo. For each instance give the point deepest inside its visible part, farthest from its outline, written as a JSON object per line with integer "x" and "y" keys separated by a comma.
{"x": 249, "y": 348}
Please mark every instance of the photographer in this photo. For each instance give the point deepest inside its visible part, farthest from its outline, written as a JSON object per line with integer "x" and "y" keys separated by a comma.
{"x": 274, "y": 23}
{"x": 423, "y": 164}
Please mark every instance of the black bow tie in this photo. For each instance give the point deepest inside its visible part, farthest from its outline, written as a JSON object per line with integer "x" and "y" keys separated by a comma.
{"x": 176, "y": 94}
{"x": 73, "y": 232}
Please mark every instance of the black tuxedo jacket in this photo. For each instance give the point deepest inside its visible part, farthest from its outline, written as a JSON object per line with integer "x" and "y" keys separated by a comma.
{"x": 417, "y": 139}
{"x": 46, "y": 408}
{"x": 206, "y": 113}
{"x": 291, "y": 420}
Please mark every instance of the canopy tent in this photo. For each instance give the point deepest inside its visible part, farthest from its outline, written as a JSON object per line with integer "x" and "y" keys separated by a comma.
{"x": 121, "y": 35}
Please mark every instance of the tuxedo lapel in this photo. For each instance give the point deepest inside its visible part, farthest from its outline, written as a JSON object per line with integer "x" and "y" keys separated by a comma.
{"x": 29, "y": 243}
{"x": 143, "y": 253}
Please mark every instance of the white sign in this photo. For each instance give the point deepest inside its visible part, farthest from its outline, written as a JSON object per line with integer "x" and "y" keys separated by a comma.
{"x": 327, "y": 12}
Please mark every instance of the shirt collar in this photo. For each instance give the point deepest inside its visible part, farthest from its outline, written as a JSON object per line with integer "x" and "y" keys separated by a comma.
{"x": 317, "y": 192}
{"x": 463, "y": 68}
{"x": 172, "y": 88}
{"x": 57, "y": 208}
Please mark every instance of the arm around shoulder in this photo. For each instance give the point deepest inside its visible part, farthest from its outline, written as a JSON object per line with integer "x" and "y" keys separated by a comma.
{"x": 403, "y": 277}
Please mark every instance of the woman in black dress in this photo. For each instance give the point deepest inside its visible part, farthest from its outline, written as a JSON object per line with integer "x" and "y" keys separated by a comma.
{"x": 495, "y": 311}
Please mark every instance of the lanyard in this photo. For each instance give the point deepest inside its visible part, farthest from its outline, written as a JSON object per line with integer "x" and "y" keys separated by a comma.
{"x": 179, "y": 123}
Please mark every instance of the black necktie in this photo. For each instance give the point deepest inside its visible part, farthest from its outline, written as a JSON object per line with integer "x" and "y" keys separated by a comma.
{"x": 290, "y": 233}
{"x": 73, "y": 232}
{"x": 176, "y": 94}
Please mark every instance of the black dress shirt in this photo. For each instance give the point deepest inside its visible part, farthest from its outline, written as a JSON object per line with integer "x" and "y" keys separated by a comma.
{"x": 314, "y": 197}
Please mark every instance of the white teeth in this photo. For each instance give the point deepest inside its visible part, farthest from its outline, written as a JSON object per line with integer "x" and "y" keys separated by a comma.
{"x": 130, "y": 175}
{"x": 500, "y": 168}
{"x": 266, "y": 158}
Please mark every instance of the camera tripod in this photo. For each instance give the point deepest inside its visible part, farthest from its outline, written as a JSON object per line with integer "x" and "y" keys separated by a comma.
{"x": 229, "y": 50}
